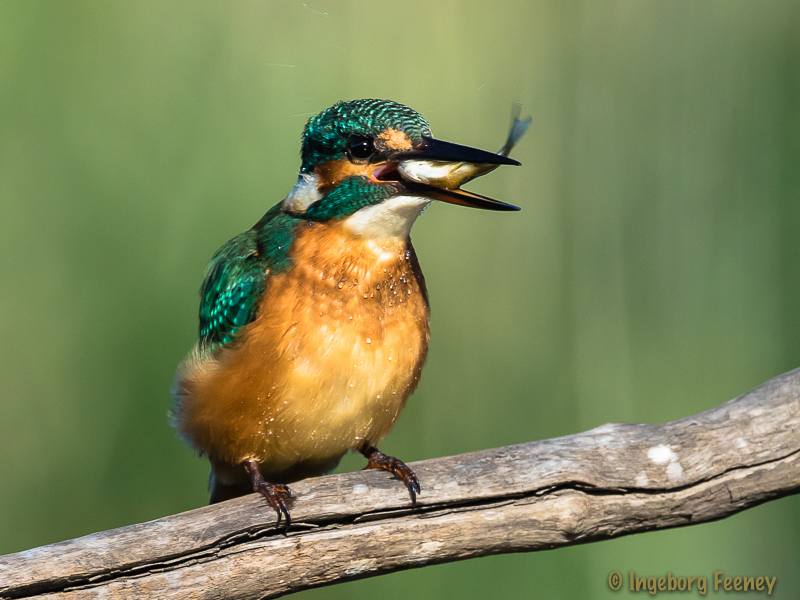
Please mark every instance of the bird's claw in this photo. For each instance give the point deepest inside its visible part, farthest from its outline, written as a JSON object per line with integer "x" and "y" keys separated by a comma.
{"x": 276, "y": 496}
{"x": 408, "y": 477}
{"x": 378, "y": 460}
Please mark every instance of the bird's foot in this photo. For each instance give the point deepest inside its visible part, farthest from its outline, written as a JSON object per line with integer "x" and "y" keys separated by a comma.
{"x": 379, "y": 460}
{"x": 275, "y": 494}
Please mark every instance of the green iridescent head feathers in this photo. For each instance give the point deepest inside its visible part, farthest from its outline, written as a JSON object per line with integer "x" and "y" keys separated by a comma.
{"x": 326, "y": 135}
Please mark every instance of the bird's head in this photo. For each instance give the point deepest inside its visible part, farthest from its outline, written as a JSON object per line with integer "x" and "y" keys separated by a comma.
{"x": 374, "y": 165}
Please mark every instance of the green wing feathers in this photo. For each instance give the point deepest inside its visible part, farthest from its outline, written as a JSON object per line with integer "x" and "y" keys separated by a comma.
{"x": 237, "y": 276}
{"x": 234, "y": 281}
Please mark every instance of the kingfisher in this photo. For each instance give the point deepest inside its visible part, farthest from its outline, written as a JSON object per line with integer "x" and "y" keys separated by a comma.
{"x": 314, "y": 323}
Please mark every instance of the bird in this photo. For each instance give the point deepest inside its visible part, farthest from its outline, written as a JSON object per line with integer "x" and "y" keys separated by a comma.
{"x": 314, "y": 323}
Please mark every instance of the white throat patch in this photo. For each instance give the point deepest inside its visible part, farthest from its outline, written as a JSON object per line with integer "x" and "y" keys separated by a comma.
{"x": 303, "y": 194}
{"x": 393, "y": 217}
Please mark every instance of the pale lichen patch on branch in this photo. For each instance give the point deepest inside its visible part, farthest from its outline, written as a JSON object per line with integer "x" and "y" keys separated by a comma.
{"x": 661, "y": 455}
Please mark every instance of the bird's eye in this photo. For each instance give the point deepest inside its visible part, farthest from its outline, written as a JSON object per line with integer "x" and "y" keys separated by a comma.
{"x": 360, "y": 148}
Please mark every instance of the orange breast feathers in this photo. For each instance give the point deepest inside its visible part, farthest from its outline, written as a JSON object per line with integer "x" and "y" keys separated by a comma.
{"x": 334, "y": 352}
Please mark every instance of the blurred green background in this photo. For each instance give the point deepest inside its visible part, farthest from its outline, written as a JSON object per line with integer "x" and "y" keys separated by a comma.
{"x": 653, "y": 273}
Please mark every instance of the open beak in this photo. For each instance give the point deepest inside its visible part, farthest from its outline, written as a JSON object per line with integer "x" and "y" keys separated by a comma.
{"x": 438, "y": 150}
{"x": 436, "y": 169}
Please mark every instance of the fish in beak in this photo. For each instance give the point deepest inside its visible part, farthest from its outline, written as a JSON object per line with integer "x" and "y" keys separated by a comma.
{"x": 437, "y": 169}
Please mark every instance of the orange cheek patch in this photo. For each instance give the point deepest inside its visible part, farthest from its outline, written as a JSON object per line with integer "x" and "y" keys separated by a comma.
{"x": 394, "y": 139}
{"x": 332, "y": 172}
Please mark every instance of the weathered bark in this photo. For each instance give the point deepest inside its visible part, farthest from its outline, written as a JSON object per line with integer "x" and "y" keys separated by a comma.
{"x": 615, "y": 480}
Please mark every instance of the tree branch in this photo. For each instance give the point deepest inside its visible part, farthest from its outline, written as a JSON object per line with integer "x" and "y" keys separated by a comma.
{"x": 614, "y": 480}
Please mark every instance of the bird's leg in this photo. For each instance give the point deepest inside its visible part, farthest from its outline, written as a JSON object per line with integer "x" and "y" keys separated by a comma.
{"x": 272, "y": 492}
{"x": 378, "y": 460}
